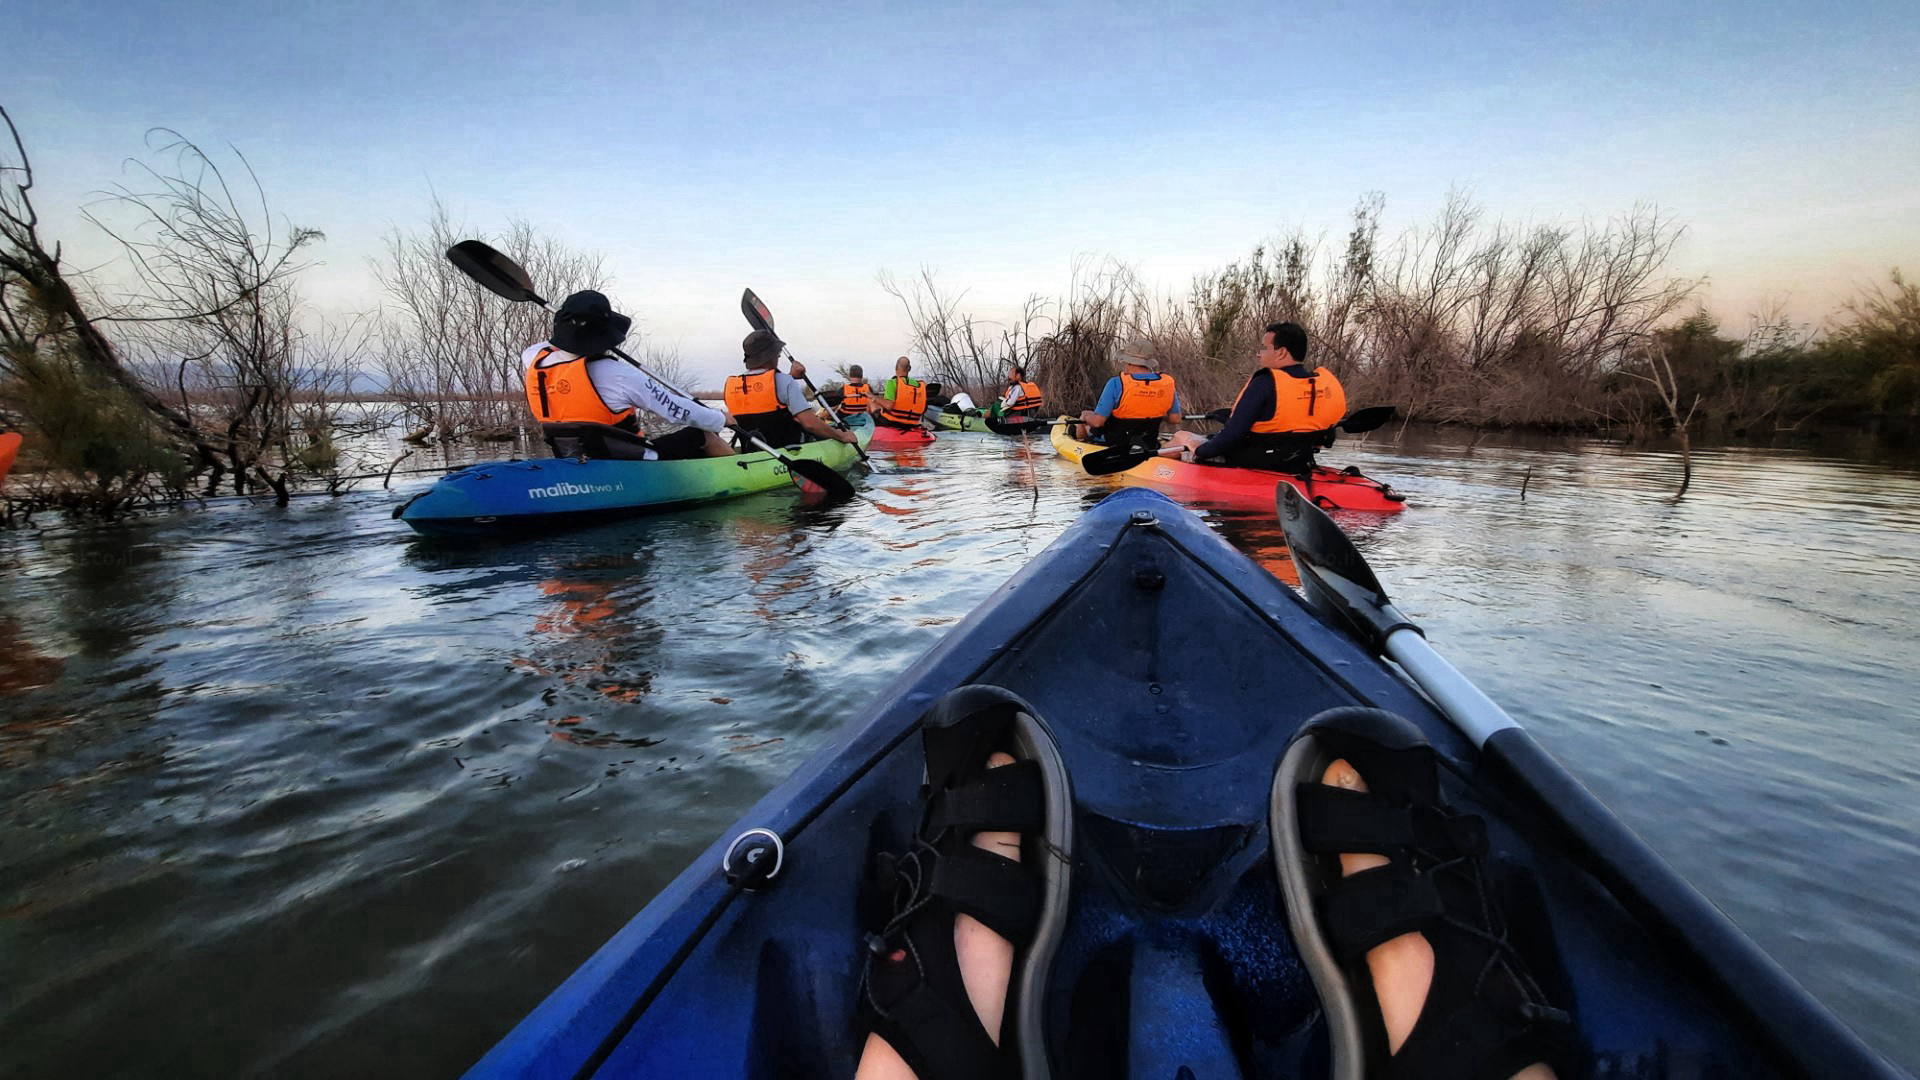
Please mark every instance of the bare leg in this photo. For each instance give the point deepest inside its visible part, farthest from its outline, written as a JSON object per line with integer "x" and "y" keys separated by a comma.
{"x": 986, "y": 966}
{"x": 1402, "y": 968}
{"x": 717, "y": 446}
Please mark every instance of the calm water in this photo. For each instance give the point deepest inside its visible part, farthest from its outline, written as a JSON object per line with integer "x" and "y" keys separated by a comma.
{"x": 293, "y": 791}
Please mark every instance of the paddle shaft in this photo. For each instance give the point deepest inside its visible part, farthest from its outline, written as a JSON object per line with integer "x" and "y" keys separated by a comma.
{"x": 760, "y": 317}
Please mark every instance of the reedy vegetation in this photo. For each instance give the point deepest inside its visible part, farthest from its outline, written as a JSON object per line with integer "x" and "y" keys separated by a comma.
{"x": 1461, "y": 321}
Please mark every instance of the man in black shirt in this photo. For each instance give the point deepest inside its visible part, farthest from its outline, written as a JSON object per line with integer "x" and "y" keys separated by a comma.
{"x": 1284, "y": 413}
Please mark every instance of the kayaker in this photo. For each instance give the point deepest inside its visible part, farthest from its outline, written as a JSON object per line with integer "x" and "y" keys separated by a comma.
{"x": 856, "y": 396}
{"x": 773, "y": 404}
{"x": 1023, "y": 397}
{"x": 1135, "y": 403}
{"x": 904, "y": 399}
{"x": 588, "y": 402}
{"x": 1283, "y": 415}
{"x": 1448, "y": 988}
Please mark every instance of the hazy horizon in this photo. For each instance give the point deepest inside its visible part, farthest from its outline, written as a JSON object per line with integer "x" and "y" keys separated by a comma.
{"x": 801, "y": 153}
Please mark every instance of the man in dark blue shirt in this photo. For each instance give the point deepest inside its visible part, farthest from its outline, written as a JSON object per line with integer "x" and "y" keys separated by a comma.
{"x": 1284, "y": 413}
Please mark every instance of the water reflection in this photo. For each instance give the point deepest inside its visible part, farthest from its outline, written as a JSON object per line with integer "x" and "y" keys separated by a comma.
{"x": 432, "y": 778}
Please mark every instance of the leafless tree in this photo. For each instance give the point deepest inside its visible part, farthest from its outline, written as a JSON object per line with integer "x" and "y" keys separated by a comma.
{"x": 41, "y": 307}
{"x": 450, "y": 349}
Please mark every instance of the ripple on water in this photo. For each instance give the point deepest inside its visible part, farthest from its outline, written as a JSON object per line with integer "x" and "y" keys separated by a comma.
{"x": 289, "y": 791}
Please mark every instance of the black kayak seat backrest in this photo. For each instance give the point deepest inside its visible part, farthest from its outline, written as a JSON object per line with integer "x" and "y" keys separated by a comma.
{"x": 594, "y": 441}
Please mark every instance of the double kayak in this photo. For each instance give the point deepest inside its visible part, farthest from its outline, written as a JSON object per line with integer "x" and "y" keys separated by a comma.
{"x": 1169, "y": 673}
{"x": 893, "y": 438}
{"x": 1329, "y": 489}
{"x": 557, "y": 492}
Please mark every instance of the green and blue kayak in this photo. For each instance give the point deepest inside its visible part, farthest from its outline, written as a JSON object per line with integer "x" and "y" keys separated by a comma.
{"x": 558, "y": 492}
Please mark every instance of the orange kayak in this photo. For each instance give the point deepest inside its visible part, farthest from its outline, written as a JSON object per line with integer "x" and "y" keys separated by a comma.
{"x": 9, "y": 446}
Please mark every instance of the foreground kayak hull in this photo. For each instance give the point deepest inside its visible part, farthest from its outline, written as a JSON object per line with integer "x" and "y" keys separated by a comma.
{"x": 892, "y": 438}
{"x": 1176, "y": 953}
{"x": 561, "y": 492}
{"x": 1329, "y": 489}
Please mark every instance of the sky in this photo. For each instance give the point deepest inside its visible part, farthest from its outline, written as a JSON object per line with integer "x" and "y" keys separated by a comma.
{"x": 802, "y": 150}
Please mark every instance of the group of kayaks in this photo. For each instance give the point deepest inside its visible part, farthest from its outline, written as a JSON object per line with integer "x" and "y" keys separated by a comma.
{"x": 558, "y": 492}
{"x": 1168, "y": 676}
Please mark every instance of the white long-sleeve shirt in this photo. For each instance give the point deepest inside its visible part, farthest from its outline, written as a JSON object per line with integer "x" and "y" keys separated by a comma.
{"x": 622, "y": 386}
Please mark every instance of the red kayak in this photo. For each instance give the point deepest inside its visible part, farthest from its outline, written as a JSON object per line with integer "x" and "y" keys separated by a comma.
{"x": 1329, "y": 489}
{"x": 893, "y": 438}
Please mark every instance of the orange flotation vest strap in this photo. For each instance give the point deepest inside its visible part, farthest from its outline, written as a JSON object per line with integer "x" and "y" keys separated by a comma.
{"x": 1148, "y": 397}
{"x": 856, "y": 397}
{"x": 909, "y": 402}
{"x": 1030, "y": 399}
{"x": 754, "y": 401}
{"x": 1313, "y": 403}
{"x": 563, "y": 394}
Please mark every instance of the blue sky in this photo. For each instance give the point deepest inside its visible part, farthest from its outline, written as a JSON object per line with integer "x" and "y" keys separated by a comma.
{"x": 801, "y": 150}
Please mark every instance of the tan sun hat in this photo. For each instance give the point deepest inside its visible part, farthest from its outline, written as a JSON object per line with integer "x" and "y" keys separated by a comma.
{"x": 1137, "y": 351}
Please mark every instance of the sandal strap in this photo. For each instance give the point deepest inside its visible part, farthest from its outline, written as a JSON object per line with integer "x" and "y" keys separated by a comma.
{"x": 937, "y": 1039}
{"x": 1009, "y": 798}
{"x": 1001, "y": 893}
{"x": 1335, "y": 820}
{"x": 1364, "y": 909}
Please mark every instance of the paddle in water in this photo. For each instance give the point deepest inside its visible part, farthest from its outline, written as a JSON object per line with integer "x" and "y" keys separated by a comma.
{"x": 1121, "y": 458}
{"x": 760, "y": 317}
{"x": 504, "y": 277}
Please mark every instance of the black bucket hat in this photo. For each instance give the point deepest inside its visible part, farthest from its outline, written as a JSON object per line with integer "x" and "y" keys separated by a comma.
{"x": 587, "y": 325}
{"x": 762, "y": 348}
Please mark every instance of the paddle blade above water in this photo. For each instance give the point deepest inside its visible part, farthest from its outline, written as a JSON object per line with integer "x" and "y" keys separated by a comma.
{"x": 493, "y": 270}
{"x": 757, "y": 313}
{"x": 1115, "y": 459}
{"x": 1366, "y": 419}
{"x": 1335, "y": 575}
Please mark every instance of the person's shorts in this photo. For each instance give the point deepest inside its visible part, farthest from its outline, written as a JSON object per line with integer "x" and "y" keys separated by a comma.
{"x": 688, "y": 442}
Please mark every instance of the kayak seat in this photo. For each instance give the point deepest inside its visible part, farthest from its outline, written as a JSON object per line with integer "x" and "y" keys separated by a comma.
{"x": 1486, "y": 1014}
{"x": 911, "y": 992}
{"x": 602, "y": 441}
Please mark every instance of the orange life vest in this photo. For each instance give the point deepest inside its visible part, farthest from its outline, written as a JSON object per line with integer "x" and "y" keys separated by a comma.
{"x": 754, "y": 401}
{"x": 1147, "y": 397}
{"x": 563, "y": 394}
{"x": 1030, "y": 399}
{"x": 1314, "y": 403}
{"x": 909, "y": 402}
{"x": 856, "y": 397}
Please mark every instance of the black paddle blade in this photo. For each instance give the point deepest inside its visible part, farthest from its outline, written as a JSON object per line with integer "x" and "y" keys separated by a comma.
{"x": 1115, "y": 459}
{"x": 498, "y": 273}
{"x": 1366, "y": 419}
{"x": 1335, "y": 576}
{"x": 820, "y": 475}
{"x": 756, "y": 312}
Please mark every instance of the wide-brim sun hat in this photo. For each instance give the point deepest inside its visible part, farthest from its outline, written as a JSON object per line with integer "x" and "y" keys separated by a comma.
{"x": 762, "y": 345}
{"x": 587, "y": 325}
{"x": 1138, "y": 352}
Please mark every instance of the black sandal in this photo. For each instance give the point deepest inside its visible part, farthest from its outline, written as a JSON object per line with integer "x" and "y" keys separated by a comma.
{"x": 911, "y": 991}
{"x": 1485, "y": 1018}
